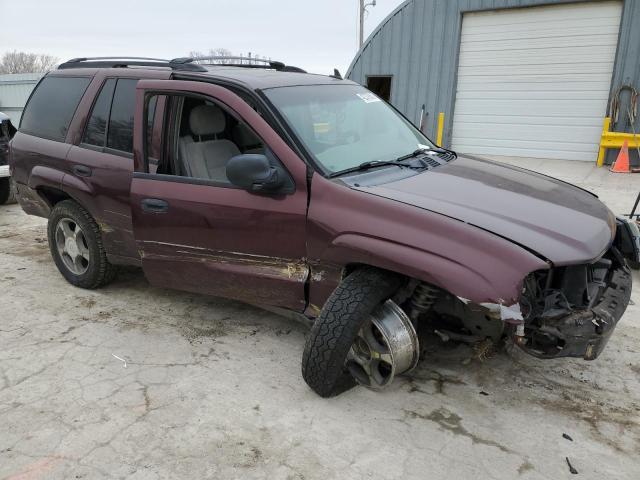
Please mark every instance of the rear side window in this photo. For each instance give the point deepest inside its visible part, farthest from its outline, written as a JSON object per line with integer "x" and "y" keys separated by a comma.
{"x": 120, "y": 131}
{"x": 52, "y": 105}
{"x": 96, "y": 131}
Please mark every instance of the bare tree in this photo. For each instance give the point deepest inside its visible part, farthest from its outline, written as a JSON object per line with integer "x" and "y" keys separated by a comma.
{"x": 213, "y": 52}
{"x": 223, "y": 52}
{"x": 220, "y": 52}
{"x": 23, "y": 62}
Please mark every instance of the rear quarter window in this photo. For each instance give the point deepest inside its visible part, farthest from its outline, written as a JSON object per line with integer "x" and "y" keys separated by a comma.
{"x": 52, "y": 105}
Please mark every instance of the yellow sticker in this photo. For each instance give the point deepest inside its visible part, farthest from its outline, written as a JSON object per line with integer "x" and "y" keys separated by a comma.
{"x": 322, "y": 127}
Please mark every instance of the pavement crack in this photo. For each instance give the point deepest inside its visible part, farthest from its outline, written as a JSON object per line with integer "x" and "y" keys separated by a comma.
{"x": 452, "y": 422}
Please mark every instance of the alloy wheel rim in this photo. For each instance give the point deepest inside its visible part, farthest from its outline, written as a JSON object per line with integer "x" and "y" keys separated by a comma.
{"x": 72, "y": 246}
{"x": 386, "y": 346}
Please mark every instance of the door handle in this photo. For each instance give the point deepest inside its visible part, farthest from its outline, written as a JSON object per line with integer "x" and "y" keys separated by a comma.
{"x": 81, "y": 170}
{"x": 154, "y": 205}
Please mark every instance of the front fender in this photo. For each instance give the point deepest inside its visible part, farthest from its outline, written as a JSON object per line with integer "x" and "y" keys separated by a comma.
{"x": 347, "y": 226}
{"x": 423, "y": 265}
{"x": 470, "y": 280}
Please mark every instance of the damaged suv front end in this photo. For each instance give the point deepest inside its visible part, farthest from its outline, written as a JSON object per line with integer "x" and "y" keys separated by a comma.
{"x": 570, "y": 303}
{"x": 572, "y": 310}
{"x": 467, "y": 248}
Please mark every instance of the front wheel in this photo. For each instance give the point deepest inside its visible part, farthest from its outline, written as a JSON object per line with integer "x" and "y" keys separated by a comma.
{"x": 341, "y": 331}
{"x": 76, "y": 246}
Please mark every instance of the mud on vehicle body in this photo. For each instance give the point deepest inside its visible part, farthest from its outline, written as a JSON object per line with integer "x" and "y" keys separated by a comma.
{"x": 310, "y": 195}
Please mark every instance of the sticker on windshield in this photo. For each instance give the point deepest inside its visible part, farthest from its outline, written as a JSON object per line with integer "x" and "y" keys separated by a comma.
{"x": 368, "y": 97}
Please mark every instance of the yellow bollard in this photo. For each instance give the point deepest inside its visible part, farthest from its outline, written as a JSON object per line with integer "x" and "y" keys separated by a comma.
{"x": 605, "y": 129}
{"x": 440, "y": 128}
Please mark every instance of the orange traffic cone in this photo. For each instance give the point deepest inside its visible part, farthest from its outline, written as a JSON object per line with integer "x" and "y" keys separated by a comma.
{"x": 621, "y": 165}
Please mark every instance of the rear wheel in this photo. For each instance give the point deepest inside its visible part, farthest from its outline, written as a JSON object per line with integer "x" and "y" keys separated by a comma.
{"x": 345, "y": 342}
{"x": 76, "y": 246}
{"x": 7, "y": 191}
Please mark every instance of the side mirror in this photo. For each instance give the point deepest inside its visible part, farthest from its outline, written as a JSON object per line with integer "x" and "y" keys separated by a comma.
{"x": 255, "y": 173}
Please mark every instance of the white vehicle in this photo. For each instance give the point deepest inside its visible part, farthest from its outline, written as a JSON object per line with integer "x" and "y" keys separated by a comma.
{"x": 7, "y": 190}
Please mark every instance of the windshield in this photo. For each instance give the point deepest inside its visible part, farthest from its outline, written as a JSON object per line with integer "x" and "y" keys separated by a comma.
{"x": 344, "y": 126}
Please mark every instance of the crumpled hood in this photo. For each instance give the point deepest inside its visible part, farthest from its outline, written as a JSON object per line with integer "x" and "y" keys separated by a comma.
{"x": 558, "y": 221}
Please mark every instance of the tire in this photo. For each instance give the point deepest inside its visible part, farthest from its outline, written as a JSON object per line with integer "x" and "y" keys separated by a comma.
{"x": 99, "y": 271}
{"x": 7, "y": 191}
{"x": 334, "y": 331}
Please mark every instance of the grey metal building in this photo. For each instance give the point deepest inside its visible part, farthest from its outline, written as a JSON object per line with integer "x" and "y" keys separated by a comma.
{"x": 15, "y": 89}
{"x": 530, "y": 78}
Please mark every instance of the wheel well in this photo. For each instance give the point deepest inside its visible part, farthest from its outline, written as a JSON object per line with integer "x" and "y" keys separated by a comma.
{"x": 53, "y": 195}
{"x": 350, "y": 267}
{"x": 408, "y": 285}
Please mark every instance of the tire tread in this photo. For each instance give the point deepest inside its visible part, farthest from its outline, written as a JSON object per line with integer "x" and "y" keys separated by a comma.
{"x": 334, "y": 331}
{"x": 105, "y": 271}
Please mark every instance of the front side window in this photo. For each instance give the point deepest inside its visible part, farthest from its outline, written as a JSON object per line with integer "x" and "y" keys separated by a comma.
{"x": 205, "y": 136}
{"x": 343, "y": 126}
{"x": 120, "y": 131}
{"x": 52, "y": 106}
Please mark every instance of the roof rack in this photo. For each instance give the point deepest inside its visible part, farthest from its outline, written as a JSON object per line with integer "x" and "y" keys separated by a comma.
{"x": 251, "y": 62}
{"x": 124, "y": 62}
{"x": 182, "y": 63}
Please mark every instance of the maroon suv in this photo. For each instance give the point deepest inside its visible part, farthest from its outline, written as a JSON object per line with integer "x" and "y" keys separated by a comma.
{"x": 309, "y": 194}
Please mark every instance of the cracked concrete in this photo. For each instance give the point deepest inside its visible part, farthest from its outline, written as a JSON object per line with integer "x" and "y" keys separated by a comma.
{"x": 212, "y": 389}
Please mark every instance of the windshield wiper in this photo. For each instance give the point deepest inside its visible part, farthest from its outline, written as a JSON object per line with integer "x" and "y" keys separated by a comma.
{"x": 415, "y": 153}
{"x": 422, "y": 151}
{"x": 397, "y": 162}
{"x": 369, "y": 165}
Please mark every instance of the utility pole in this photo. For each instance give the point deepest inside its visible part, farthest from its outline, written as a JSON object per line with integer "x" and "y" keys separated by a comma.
{"x": 363, "y": 10}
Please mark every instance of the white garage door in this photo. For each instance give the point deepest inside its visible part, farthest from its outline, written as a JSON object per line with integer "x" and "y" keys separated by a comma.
{"x": 534, "y": 82}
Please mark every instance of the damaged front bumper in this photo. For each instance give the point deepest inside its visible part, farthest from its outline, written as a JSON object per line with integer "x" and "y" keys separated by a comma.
{"x": 577, "y": 309}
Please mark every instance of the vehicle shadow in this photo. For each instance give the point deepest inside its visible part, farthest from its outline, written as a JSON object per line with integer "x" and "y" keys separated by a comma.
{"x": 196, "y": 315}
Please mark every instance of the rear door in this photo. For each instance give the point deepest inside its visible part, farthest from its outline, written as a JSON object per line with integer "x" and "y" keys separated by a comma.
{"x": 100, "y": 163}
{"x": 203, "y": 234}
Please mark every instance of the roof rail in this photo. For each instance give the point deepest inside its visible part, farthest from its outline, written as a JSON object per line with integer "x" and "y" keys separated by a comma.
{"x": 238, "y": 61}
{"x": 124, "y": 62}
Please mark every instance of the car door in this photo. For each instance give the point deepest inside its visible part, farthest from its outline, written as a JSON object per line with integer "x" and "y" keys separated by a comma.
{"x": 203, "y": 235}
{"x": 100, "y": 163}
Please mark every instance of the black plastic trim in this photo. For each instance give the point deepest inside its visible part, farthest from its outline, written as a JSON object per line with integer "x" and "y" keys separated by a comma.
{"x": 124, "y": 63}
{"x": 178, "y": 179}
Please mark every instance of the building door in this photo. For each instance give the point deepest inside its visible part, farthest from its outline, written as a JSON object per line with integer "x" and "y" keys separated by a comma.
{"x": 380, "y": 85}
{"x": 534, "y": 82}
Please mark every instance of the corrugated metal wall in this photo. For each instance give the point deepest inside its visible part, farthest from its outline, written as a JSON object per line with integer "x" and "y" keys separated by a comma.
{"x": 418, "y": 45}
{"x": 14, "y": 93}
